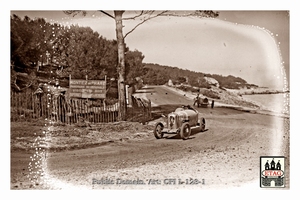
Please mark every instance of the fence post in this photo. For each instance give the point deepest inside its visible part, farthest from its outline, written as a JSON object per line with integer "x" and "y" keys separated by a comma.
{"x": 150, "y": 115}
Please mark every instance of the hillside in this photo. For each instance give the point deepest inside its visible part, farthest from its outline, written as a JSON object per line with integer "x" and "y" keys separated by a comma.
{"x": 158, "y": 74}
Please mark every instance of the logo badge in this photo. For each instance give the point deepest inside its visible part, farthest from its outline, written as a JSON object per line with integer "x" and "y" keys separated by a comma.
{"x": 272, "y": 171}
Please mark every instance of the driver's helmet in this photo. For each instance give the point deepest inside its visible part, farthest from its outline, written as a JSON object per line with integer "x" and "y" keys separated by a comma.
{"x": 186, "y": 107}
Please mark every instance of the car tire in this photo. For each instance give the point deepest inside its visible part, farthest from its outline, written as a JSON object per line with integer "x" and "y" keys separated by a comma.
{"x": 185, "y": 131}
{"x": 158, "y": 130}
{"x": 202, "y": 124}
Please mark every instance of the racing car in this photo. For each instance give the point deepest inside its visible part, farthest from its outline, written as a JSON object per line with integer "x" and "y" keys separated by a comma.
{"x": 180, "y": 122}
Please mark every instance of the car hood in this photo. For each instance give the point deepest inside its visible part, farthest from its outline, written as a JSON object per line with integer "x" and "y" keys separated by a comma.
{"x": 185, "y": 113}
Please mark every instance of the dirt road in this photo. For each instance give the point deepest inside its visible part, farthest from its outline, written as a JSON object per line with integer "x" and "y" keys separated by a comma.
{"x": 225, "y": 155}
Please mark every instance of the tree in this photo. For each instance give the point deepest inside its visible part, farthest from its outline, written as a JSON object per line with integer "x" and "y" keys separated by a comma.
{"x": 41, "y": 50}
{"x": 121, "y": 64}
{"x": 181, "y": 79}
{"x": 133, "y": 66}
{"x": 141, "y": 17}
{"x": 27, "y": 44}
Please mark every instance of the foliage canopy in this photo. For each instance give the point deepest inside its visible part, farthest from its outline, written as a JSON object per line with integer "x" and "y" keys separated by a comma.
{"x": 41, "y": 51}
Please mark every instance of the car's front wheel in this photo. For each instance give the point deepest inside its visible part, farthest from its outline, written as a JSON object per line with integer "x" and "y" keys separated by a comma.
{"x": 185, "y": 131}
{"x": 158, "y": 130}
{"x": 202, "y": 124}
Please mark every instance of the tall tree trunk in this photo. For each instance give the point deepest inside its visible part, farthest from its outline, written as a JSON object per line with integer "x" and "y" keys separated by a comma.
{"x": 121, "y": 65}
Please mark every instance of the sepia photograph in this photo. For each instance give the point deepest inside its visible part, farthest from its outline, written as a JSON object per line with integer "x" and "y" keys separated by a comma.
{"x": 149, "y": 99}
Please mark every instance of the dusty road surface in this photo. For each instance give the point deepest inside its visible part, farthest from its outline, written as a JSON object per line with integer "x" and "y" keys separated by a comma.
{"x": 225, "y": 155}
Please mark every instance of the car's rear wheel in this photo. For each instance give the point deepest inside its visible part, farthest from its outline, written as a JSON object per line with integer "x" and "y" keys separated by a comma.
{"x": 202, "y": 124}
{"x": 158, "y": 130}
{"x": 185, "y": 131}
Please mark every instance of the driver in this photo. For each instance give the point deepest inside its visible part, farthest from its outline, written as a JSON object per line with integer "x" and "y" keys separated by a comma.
{"x": 186, "y": 107}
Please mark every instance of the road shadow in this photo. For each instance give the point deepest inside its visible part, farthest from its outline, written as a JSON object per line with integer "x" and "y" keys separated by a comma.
{"x": 148, "y": 88}
{"x": 143, "y": 92}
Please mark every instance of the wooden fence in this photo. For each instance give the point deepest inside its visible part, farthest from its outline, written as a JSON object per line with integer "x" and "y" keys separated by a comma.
{"x": 57, "y": 108}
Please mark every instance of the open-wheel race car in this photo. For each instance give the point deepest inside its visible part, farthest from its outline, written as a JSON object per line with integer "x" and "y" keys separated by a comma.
{"x": 180, "y": 122}
{"x": 201, "y": 102}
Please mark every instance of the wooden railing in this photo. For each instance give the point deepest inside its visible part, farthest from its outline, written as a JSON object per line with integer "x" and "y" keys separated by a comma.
{"x": 57, "y": 108}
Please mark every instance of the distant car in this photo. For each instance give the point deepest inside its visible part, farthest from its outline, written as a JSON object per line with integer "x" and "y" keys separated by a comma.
{"x": 203, "y": 102}
{"x": 180, "y": 122}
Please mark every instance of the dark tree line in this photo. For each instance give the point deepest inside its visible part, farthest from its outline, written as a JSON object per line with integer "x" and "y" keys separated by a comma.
{"x": 39, "y": 47}
{"x": 157, "y": 74}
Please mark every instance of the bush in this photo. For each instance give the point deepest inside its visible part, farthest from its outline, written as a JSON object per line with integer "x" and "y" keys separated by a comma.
{"x": 112, "y": 93}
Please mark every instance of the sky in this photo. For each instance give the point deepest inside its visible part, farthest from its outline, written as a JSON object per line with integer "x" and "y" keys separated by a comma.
{"x": 253, "y": 45}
